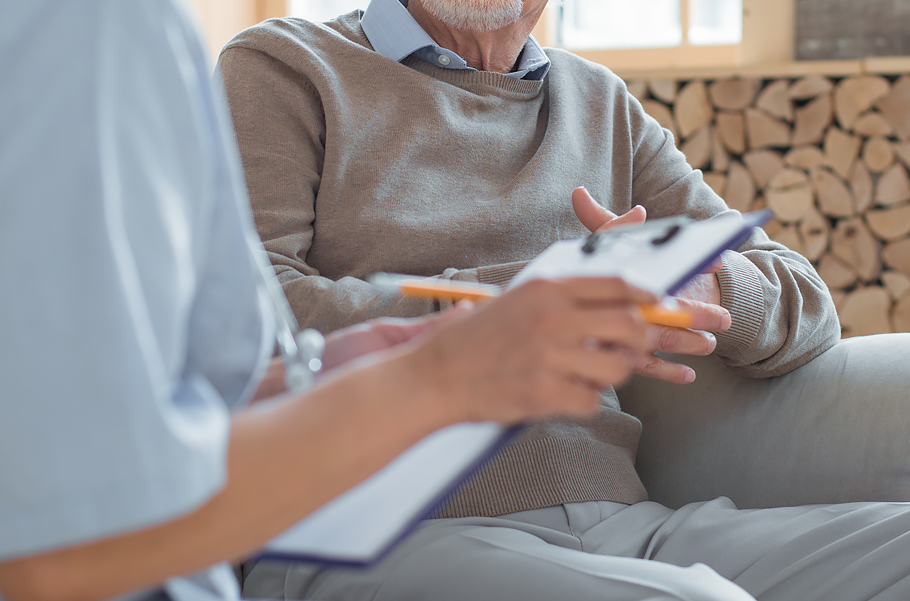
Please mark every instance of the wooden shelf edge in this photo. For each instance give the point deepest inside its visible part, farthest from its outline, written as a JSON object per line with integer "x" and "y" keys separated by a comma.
{"x": 878, "y": 66}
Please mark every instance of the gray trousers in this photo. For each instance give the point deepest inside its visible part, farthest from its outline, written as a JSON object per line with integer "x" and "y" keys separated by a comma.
{"x": 607, "y": 551}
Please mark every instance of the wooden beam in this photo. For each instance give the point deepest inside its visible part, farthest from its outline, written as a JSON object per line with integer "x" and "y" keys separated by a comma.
{"x": 769, "y": 32}
{"x": 668, "y": 60}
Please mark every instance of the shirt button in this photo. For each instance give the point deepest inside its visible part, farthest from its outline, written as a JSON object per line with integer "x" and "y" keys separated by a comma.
{"x": 444, "y": 60}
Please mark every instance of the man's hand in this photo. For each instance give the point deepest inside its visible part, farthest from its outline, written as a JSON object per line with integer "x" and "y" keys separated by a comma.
{"x": 598, "y": 219}
{"x": 698, "y": 341}
{"x": 700, "y": 298}
{"x": 704, "y": 287}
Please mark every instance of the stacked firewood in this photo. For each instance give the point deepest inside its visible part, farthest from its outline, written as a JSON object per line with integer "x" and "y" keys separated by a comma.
{"x": 829, "y": 156}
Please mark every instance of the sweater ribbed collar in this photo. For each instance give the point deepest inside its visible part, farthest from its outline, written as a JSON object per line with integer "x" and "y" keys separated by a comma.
{"x": 465, "y": 78}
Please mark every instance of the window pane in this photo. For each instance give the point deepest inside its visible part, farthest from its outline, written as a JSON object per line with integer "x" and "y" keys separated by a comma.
{"x": 323, "y": 10}
{"x": 621, "y": 24}
{"x": 715, "y": 22}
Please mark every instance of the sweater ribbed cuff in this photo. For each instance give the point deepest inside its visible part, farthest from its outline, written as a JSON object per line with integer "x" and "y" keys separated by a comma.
{"x": 743, "y": 296}
{"x": 500, "y": 275}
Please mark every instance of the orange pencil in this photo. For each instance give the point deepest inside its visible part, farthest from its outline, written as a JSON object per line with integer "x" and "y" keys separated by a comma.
{"x": 446, "y": 290}
{"x": 659, "y": 314}
{"x": 662, "y": 315}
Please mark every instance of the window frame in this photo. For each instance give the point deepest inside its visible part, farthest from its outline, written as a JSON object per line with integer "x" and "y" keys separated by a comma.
{"x": 769, "y": 31}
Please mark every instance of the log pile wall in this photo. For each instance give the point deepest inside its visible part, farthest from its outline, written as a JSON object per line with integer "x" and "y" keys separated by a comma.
{"x": 829, "y": 156}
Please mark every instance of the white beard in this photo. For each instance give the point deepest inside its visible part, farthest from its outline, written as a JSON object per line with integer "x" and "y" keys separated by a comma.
{"x": 475, "y": 15}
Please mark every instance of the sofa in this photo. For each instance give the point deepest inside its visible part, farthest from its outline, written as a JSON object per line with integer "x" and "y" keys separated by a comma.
{"x": 835, "y": 430}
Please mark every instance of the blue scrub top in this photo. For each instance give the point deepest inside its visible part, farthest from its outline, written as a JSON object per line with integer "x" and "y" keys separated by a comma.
{"x": 132, "y": 320}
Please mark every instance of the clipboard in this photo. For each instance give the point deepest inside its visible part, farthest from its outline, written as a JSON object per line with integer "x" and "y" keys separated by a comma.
{"x": 360, "y": 527}
{"x": 660, "y": 256}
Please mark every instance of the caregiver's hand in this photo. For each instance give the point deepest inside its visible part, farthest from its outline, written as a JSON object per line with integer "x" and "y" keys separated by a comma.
{"x": 544, "y": 348}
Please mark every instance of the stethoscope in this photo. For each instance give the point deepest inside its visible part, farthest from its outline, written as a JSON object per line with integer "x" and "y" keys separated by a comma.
{"x": 300, "y": 351}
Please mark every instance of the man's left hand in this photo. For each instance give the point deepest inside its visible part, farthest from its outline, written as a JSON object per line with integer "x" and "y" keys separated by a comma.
{"x": 697, "y": 341}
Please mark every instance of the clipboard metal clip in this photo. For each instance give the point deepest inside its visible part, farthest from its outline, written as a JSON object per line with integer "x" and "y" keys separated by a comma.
{"x": 664, "y": 230}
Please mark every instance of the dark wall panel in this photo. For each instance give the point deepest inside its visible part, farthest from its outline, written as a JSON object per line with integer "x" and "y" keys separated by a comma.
{"x": 852, "y": 29}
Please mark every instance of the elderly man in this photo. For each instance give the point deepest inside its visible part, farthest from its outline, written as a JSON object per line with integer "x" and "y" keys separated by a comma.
{"x": 436, "y": 137}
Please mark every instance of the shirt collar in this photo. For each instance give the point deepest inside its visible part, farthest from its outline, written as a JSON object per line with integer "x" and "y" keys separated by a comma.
{"x": 395, "y": 34}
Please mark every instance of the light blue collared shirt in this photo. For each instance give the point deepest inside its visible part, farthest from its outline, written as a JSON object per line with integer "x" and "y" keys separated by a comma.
{"x": 395, "y": 34}
{"x": 133, "y": 319}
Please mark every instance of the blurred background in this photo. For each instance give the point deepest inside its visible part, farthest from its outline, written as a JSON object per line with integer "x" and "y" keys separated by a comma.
{"x": 578, "y": 24}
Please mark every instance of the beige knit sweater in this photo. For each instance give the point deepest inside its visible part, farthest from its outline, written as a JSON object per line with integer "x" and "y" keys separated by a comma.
{"x": 357, "y": 164}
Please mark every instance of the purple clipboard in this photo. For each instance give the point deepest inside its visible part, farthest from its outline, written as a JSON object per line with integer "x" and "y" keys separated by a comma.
{"x": 661, "y": 255}
{"x": 360, "y": 527}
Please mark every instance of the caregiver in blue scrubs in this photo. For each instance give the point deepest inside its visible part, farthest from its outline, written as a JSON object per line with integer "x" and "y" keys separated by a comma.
{"x": 134, "y": 329}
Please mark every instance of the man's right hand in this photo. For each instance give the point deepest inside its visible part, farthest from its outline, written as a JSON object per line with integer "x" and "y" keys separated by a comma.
{"x": 597, "y": 218}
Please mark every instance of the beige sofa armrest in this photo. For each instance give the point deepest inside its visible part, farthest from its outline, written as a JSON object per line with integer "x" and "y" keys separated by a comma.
{"x": 835, "y": 430}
